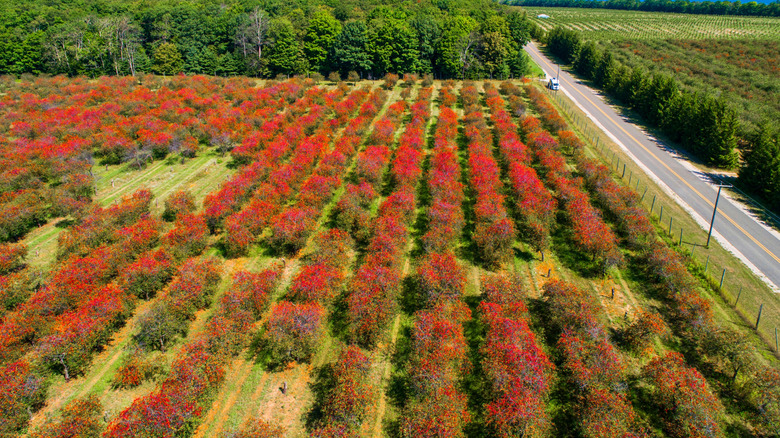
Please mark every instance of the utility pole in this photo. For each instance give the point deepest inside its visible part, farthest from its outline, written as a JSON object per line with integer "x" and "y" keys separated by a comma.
{"x": 714, "y": 211}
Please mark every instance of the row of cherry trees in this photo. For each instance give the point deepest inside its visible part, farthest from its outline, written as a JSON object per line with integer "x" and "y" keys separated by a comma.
{"x": 495, "y": 232}
{"x": 445, "y": 215}
{"x": 594, "y": 366}
{"x": 534, "y": 206}
{"x": 518, "y": 370}
{"x": 590, "y": 233}
{"x": 439, "y": 350}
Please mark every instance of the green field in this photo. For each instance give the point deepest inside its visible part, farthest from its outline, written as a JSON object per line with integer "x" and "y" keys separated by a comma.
{"x": 601, "y": 24}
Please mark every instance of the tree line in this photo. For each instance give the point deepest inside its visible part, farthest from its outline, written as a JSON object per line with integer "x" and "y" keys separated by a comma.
{"x": 722, "y": 7}
{"x": 704, "y": 125}
{"x": 266, "y": 38}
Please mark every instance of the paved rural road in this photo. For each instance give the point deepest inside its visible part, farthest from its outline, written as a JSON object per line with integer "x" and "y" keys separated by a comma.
{"x": 756, "y": 245}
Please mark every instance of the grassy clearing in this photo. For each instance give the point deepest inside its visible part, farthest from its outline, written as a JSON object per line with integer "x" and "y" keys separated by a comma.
{"x": 199, "y": 175}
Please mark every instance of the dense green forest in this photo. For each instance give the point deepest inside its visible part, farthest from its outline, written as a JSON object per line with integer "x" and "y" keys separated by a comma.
{"x": 445, "y": 38}
{"x": 722, "y": 7}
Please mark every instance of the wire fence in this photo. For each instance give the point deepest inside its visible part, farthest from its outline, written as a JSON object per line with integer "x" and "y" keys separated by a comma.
{"x": 739, "y": 288}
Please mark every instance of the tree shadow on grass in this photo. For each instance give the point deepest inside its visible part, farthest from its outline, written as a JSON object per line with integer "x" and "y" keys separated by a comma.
{"x": 475, "y": 384}
{"x": 562, "y": 240}
{"x": 410, "y": 300}
{"x": 339, "y": 324}
{"x": 324, "y": 381}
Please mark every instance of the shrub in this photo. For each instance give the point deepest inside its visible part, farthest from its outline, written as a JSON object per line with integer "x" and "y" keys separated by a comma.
{"x": 371, "y": 302}
{"x": 291, "y": 228}
{"x": 294, "y": 331}
{"x": 349, "y": 399}
{"x": 390, "y": 80}
{"x": 639, "y": 335}
{"x": 689, "y": 408}
{"x": 441, "y": 278}
{"x": 332, "y": 248}
{"x": 257, "y": 428}
{"x": 157, "y": 327}
{"x": 256, "y": 286}
{"x": 188, "y": 238}
{"x": 502, "y": 289}
{"x": 81, "y": 418}
{"x": 136, "y": 368}
{"x": 181, "y": 202}
{"x": 12, "y": 257}
{"x": 317, "y": 282}
{"x": 148, "y": 274}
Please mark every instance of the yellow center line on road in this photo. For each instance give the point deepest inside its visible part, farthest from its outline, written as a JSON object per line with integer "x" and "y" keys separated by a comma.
{"x": 759, "y": 244}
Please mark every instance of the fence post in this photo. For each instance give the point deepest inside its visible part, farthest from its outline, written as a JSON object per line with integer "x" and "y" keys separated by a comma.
{"x": 624, "y": 171}
{"x": 681, "y": 231}
{"x": 775, "y": 339}
{"x": 738, "y": 295}
{"x": 722, "y": 276}
{"x": 643, "y": 194}
{"x": 661, "y": 216}
{"x": 758, "y": 319}
{"x": 671, "y": 218}
{"x": 630, "y": 178}
{"x": 706, "y": 264}
{"x": 653, "y": 204}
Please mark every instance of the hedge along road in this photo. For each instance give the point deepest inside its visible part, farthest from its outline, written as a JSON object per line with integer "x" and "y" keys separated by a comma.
{"x": 754, "y": 244}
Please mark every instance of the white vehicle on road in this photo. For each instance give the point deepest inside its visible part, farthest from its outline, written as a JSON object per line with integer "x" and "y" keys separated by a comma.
{"x": 553, "y": 84}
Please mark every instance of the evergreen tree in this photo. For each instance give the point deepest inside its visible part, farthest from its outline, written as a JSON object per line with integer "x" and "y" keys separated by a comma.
{"x": 606, "y": 72}
{"x": 718, "y": 138}
{"x": 588, "y": 59}
{"x": 760, "y": 172}
{"x": 564, "y": 43}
